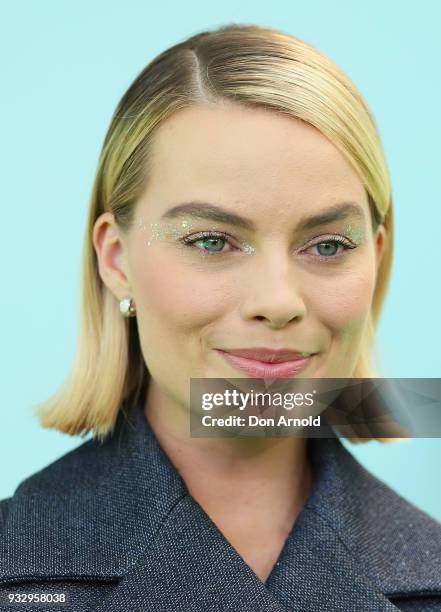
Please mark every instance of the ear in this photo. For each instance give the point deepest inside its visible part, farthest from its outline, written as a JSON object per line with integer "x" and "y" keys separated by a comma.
{"x": 110, "y": 251}
{"x": 380, "y": 240}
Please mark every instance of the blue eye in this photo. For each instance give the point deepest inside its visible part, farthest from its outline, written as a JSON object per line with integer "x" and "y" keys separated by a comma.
{"x": 211, "y": 242}
{"x": 329, "y": 249}
{"x": 214, "y": 244}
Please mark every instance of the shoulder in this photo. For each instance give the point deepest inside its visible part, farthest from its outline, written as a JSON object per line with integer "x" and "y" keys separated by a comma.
{"x": 400, "y": 545}
{"x": 95, "y": 497}
{"x": 81, "y": 469}
{"x": 63, "y": 484}
{"x": 90, "y": 463}
{"x": 351, "y": 493}
{"x": 50, "y": 528}
{"x": 378, "y": 499}
{"x": 82, "y": 465}
{"x": 378, "y": 509}
{"x": 396, "y": 544}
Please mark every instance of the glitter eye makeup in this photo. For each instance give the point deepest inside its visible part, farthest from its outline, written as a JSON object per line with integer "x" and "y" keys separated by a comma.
{"x": 153, "y": 231}
{"x": 342, "y": 241}
{"x": 164, "y": 231}
{"x": 349, "y": 233}
{"x": 353, "y": 236}
{"x": 355, "y": 232}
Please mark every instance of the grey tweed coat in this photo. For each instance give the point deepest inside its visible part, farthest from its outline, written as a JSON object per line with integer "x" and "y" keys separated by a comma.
{"x": 114, "y": 528}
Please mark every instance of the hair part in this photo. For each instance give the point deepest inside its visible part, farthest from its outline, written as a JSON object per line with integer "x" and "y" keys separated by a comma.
{"x": 249, "y": 65}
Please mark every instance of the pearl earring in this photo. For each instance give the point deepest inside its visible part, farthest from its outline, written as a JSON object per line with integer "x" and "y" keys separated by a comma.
{"x": 127, "y": 307}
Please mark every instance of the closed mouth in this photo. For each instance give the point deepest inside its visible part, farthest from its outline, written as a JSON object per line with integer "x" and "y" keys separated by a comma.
{"x": 283, "y": 364}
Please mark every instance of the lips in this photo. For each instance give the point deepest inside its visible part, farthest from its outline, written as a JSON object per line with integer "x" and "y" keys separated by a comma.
{"x": 267, "y": 363}
{"x": 268, "y": 355}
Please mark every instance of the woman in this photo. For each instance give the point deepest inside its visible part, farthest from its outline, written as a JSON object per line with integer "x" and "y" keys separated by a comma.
{"x": 240, "y": 226}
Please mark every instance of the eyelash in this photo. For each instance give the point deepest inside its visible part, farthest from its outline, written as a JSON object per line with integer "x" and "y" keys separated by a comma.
{"x": 329, "y": 238}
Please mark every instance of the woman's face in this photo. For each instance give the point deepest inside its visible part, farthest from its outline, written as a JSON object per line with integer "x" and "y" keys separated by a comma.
{"x": 288, "y": 259}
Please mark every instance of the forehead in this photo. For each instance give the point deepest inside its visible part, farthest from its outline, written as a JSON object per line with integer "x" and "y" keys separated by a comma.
{"x": 242, "y": 157}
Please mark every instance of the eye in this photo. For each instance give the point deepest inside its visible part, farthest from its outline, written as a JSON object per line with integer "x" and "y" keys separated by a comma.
{"x": 208, "y": 242}
{"x": 330, "y": 247}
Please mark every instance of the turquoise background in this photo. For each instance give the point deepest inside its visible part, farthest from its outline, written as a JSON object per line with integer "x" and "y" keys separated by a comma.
{"x": 64, "y": 67}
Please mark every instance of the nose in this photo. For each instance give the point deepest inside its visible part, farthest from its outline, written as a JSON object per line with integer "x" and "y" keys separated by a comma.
{"x": 273, "y": 294}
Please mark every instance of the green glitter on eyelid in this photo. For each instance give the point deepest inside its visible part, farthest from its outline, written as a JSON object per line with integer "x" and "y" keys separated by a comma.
{"x": 161, "y": 231}
{"x": 355, "y": 232}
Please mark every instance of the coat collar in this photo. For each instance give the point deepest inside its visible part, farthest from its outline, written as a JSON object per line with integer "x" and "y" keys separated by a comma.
{"x": 120, "y": 510}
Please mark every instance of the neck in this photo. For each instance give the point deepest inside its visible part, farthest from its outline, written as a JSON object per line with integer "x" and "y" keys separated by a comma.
{"x": 270, "y": 477}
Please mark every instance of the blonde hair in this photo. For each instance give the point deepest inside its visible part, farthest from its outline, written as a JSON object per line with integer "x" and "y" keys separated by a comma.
{"x": 250, "y": 65}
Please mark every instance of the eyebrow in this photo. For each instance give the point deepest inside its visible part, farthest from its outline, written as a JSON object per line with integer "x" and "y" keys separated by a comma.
{"x": 205, "y": 210}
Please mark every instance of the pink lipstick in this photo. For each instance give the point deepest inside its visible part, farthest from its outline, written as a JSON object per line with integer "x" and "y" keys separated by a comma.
{"x": 267, "y": 363}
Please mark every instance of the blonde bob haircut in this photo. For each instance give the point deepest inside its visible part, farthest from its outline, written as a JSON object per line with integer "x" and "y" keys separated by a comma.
{"x": 250, "y": 65}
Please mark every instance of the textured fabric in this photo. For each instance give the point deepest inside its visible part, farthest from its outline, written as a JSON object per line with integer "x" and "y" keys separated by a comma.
{"x": 414, "y": 604}
{"x": 113, "y": 525}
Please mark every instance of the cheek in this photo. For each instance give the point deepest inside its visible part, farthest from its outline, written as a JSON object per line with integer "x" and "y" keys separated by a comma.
{"x": 175, "y": 297}
{"x": 343, "y": 301}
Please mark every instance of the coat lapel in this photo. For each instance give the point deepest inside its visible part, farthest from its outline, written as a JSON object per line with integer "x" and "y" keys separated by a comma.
{"x": 317, "y": 572}
{"x": 120, "y": 511}
{"x": 356, "y": 544}
{"x": 190, "y": 566}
